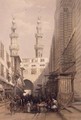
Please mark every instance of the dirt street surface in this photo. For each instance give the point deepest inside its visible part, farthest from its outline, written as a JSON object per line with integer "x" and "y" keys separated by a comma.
{"x": 6, "y": 115}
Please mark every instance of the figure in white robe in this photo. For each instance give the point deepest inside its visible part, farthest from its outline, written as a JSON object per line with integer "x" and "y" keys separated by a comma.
{"x": 28, "y": 107}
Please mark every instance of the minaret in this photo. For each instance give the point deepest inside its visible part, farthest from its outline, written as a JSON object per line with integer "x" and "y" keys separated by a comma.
{"x": 14, "y": 47}
{"x": 38, "y": 45}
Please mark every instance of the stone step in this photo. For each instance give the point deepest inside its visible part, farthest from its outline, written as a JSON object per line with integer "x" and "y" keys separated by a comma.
{"x": 71, "y": 113}
{"x": 77, "y": 103}
{"x": 77, "y": 107}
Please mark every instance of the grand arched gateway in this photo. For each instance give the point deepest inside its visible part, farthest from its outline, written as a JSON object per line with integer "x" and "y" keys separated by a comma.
{"x": 28, "y": 85}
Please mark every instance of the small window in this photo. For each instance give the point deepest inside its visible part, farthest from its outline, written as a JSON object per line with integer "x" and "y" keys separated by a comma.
{"x": 33, "y": 60}
{"x": 33, "y": 65}
{"x": 42, "y": 65}
{"x": 42, "y": 60}
{"x": 65, "y": 9}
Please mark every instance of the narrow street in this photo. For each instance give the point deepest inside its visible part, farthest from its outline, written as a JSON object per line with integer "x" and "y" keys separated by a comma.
{"x": 29, "y": 116}
{"x": 5, "y": 115}
{"x": 70, "y": 113}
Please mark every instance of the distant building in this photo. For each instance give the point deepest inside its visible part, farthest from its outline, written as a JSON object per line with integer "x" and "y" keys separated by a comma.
{"x": 35, "y": 66}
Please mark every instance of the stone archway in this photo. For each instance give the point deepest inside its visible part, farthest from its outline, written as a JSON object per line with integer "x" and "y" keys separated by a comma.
{"x": 28, "y": 85}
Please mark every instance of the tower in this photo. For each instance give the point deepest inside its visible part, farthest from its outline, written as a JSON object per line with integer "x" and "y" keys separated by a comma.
{"x": 15, "y": 58}
{"x": 14, "y": 47}
{"x": 38, "y": 45}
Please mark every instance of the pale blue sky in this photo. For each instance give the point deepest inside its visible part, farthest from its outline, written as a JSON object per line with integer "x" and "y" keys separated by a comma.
{"x": 26, "y": 13}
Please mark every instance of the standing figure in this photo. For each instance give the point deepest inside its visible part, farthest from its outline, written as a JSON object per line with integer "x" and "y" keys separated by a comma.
{"x": 12, "y": 106}
{"x": 28, "y": 107}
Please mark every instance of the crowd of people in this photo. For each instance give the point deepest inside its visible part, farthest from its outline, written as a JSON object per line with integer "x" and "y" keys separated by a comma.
{"x": 33, "y": 104}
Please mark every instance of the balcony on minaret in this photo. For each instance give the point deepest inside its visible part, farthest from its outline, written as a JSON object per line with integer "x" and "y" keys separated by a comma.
{"x": 38, "y": 35}
{"x": 38, "y": 46}
{"x": 13, "y": 35}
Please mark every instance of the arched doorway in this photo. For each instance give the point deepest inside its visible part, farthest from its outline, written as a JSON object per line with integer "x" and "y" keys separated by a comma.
{"x": 28, "y": 85}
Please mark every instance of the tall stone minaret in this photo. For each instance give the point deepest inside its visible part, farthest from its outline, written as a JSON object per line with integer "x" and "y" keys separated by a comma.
{"x": 14, "y": 47}
{"x": 38, "y": 45}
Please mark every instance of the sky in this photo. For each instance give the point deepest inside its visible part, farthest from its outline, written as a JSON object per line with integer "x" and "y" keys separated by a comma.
{"x": 26, "y": 13}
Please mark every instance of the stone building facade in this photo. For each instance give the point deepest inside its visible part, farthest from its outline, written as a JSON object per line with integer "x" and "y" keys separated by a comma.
{"x": 6, "y": 85}
{"x": 65, "y": 51}
{"x": 77, "y": 26}
{"x": 33, "y": 68}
